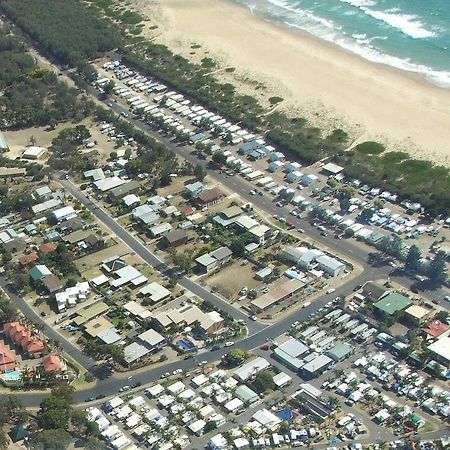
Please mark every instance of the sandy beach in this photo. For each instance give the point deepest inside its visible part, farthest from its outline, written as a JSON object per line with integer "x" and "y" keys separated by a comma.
{"x": 326, "y": 84}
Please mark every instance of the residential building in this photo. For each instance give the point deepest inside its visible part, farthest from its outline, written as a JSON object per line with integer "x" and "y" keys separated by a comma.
{"x": 275, "y": 166}
{"x": 119, "y": 192}
{"x": 374, "y": 291}
{"x": 52, "y": 283}
{"x": 175, "y": 238}
{"x": 33, "y": 152}
{"x": 291, "y": 353}
{"x": 316, "y": 366}
{"x": 293, "y": 177}
{"x": 250, "y": 369}
{"x": 331, "y": 266}
{"x": 310, "y": 179}
{"x": 39, "y": 271}
{"x": 441, "y": 350}
{"x": 209, "y": 197}
{"x": 193, "y": 190}
{"x": 418, "y": 313}
{"x": 213, "y": 260}
{"x": 435, "y": 329}
{"x": 152, "y": 340}
{"x": 106, "y": 184}
{"x": 145, "y": 214}
{"x": 12, "y": 172}
{"x": 8, "y": 359}
{"x": 67, "y": 212}
{"x": 154, "y": 292}
{"x": 159, "y": 230}
{"x": 392, "y": 303}
{"x": 276, "y": 295}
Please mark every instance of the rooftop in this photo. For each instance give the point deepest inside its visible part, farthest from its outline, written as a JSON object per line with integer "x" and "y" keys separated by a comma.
{"x": 392, "y": 303}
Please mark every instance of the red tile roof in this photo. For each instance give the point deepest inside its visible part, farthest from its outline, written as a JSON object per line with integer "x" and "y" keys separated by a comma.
{"x": 28, "y": 259}
{"x": 7, "y": 358}
{"x": 47, "y": 247}
{"x": 51, "y": 363}
{"x": 35, "y": 346}
{"x": 435, "y": 328}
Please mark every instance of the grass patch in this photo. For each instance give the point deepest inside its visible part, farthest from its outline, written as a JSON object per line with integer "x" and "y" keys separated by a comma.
{"x": 370, "y": 148}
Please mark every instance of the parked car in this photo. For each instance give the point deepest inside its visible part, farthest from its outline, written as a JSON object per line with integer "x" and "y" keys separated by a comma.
{"x": 229, "y": 343}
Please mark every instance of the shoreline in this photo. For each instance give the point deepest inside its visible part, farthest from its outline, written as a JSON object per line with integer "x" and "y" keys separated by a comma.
{"x": 331, "y": 86}
{"x": 419, "y": 77}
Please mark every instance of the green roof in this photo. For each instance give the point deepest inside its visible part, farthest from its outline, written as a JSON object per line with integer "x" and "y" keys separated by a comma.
{"x": 392, "y": 303}
{"x": 89, "y": 313}
{"x": 340, "y": 352}
{"x": 246, "y": 394}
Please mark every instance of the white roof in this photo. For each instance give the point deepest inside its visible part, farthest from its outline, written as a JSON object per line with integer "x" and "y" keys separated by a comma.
{"x": 151, "y": 337}
{"x": 266, "y": 418}
{"x": 199, "y": 380}
{"x": 109, "y": 183}
{"x": 155, "y": 291}
{"x": 136, "y": 309}
{"x": 63, "y": 212}
{"x": 176, "y": 388}
{"x": 442, "y": 348}
{"x": 131, "y": 199}
{"x": 281, "y": 379}
{"x": 34, "y": 151}
{"x": 197, "y": 425}
{"x": 233, "y": 404}
{"x": 251, "y": 368}
{"x": 44, "y": 206}
{"x": 101, "y": 279}
{"x": 155, "y": 390}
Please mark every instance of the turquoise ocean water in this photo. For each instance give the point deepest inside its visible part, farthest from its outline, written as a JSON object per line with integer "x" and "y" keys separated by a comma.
{"x": 412, "y": 35}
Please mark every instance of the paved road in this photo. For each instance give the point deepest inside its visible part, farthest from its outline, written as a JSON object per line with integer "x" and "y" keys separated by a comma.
{"x": 151, "y": 259}
{"x": 347, "y": 248}
{"x": 48, "y": 330}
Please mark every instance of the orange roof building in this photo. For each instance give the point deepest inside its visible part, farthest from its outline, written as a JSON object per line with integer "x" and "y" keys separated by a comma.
{"x": 35, "y": 347}
{"x": 52, "y": 363}
{"x": 436, "y": 328}
{"x": 47, "y": 247}
{"x": 7, "y": 359}
{"x": 28, "y": 259}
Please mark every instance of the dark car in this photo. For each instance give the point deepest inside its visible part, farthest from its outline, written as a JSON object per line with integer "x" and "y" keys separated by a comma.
{"x": 215, "y": 347}
{"x": 100, "y": 396}
{"x": 90, "y": 399}
{"x": 137, "y": 384}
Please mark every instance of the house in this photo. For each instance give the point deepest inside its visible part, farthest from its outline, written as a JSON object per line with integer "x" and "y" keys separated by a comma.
{"x": 340, "y": 352}
{"x": 441, "y": 350}
{"x": 25, "y": 260}
{"x": 263, "y": 273}
{"x": 94, "y": 243}
{"x": 8, "y": 359}
{"x": 152, "y": 340}
{"x": 45, "y": 206}
{"x": 209, "y": 197}
{"x": 316, "y": 366}
{"x": 14, "y": 245}
{"x": 418, "y": 313}
{"x": 52, "y": 364}
{"x": 94, "y": 174}
{"x": 90, "y": 312}
{"x": 106, "y": 184}
{"x": 170, "y": 211}
{"x": 193, "y": 190}
{"x": 267, "y": 419}
{"x": 39, "y": 271}
{"x": 113, "y": 264}
{"x": 392, "y": 303}
{"x": 47, "y": 248}
{"x": 159, "y": 230}
{"x": 260, "y": 233}
{"x": 130, "y": 200}
{"x": 435, "y": 329}
{"x": 250, "y": 369}
{"x": 290, "y": 353}
{"x": 331, "y": 266}
{"x": 154, "y": 292}
{"x": 307, "y": 180}
{"x": 246, "y": 222}
{"x": 228, "y": 216}
{"x": 23, "y": 338}
{"x": 276, "y": 295}
{"x": 71, "y": 225}
{"x": 64, "y": 213}
{"x": 213, "y": 260}
{"x": 135, "y": 352}
{"x": 374, "y": 291}
{"x": 247, "y": 395}
{"x": 52, "y": 283}
{"x": 211, "y": 322}
{"x": 119, "y": 192}
{"x": 33, "y": 152}
{"x": 43, "y": 193}
{"x": 145, "y": 214}
{"x": 12, "y": 172}
{"x": 175, "y": 238}
{"x": 275, "y": 166}
{"x": 126, "y": 275}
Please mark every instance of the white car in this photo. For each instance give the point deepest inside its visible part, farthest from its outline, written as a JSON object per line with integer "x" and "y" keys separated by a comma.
{"x": 330, "y": 291}
{"x": 229, "y": 343}
{"x": 306, "y": 304}
{"x": 177, "y": 371}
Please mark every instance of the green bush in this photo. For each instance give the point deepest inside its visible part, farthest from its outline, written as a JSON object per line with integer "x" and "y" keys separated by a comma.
{"x": 370, "y": 148}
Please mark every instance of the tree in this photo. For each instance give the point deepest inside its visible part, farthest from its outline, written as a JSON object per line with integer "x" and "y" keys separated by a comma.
{"x": 95, "y": 444}
{"x": 366, "y": 214}
{"x": 413, "y": 258}
{"x": 379, "y": 203}
{"x": 437, "y": 269}
{"x": 237, "y": 246}
{"x": 235, "y": 357}
{"x": 264, "y": 382}
{"x": 182, "y": 260}
{"x": 4, "y": 440}
{"x": 344, "y": 203}
{"x": 349, "y": 232}
{"x": 210, "y": 425}
{"x": 56, "y": 409}
{"x": 113, "y": 155}
{"x": 219, "y": 158}
{"x": 199, "y": 172}
{"x": 51, "y": 440}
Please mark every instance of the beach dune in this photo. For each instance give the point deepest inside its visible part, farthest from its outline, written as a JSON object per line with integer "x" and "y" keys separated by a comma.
{"x": 312, "y": 75}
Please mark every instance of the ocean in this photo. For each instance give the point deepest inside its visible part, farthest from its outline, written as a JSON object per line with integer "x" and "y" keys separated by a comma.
{"x": 412, "y": 35}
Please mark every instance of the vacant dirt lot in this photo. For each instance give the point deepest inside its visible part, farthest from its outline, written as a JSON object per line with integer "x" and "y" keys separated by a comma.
{"x": 230, "y": 280}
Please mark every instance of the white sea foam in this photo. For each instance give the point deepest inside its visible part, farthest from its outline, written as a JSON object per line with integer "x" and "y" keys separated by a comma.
{"x": 362, "y": 48}
{"x": 360, "y": 3}
{"x": 407, "y": 23}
